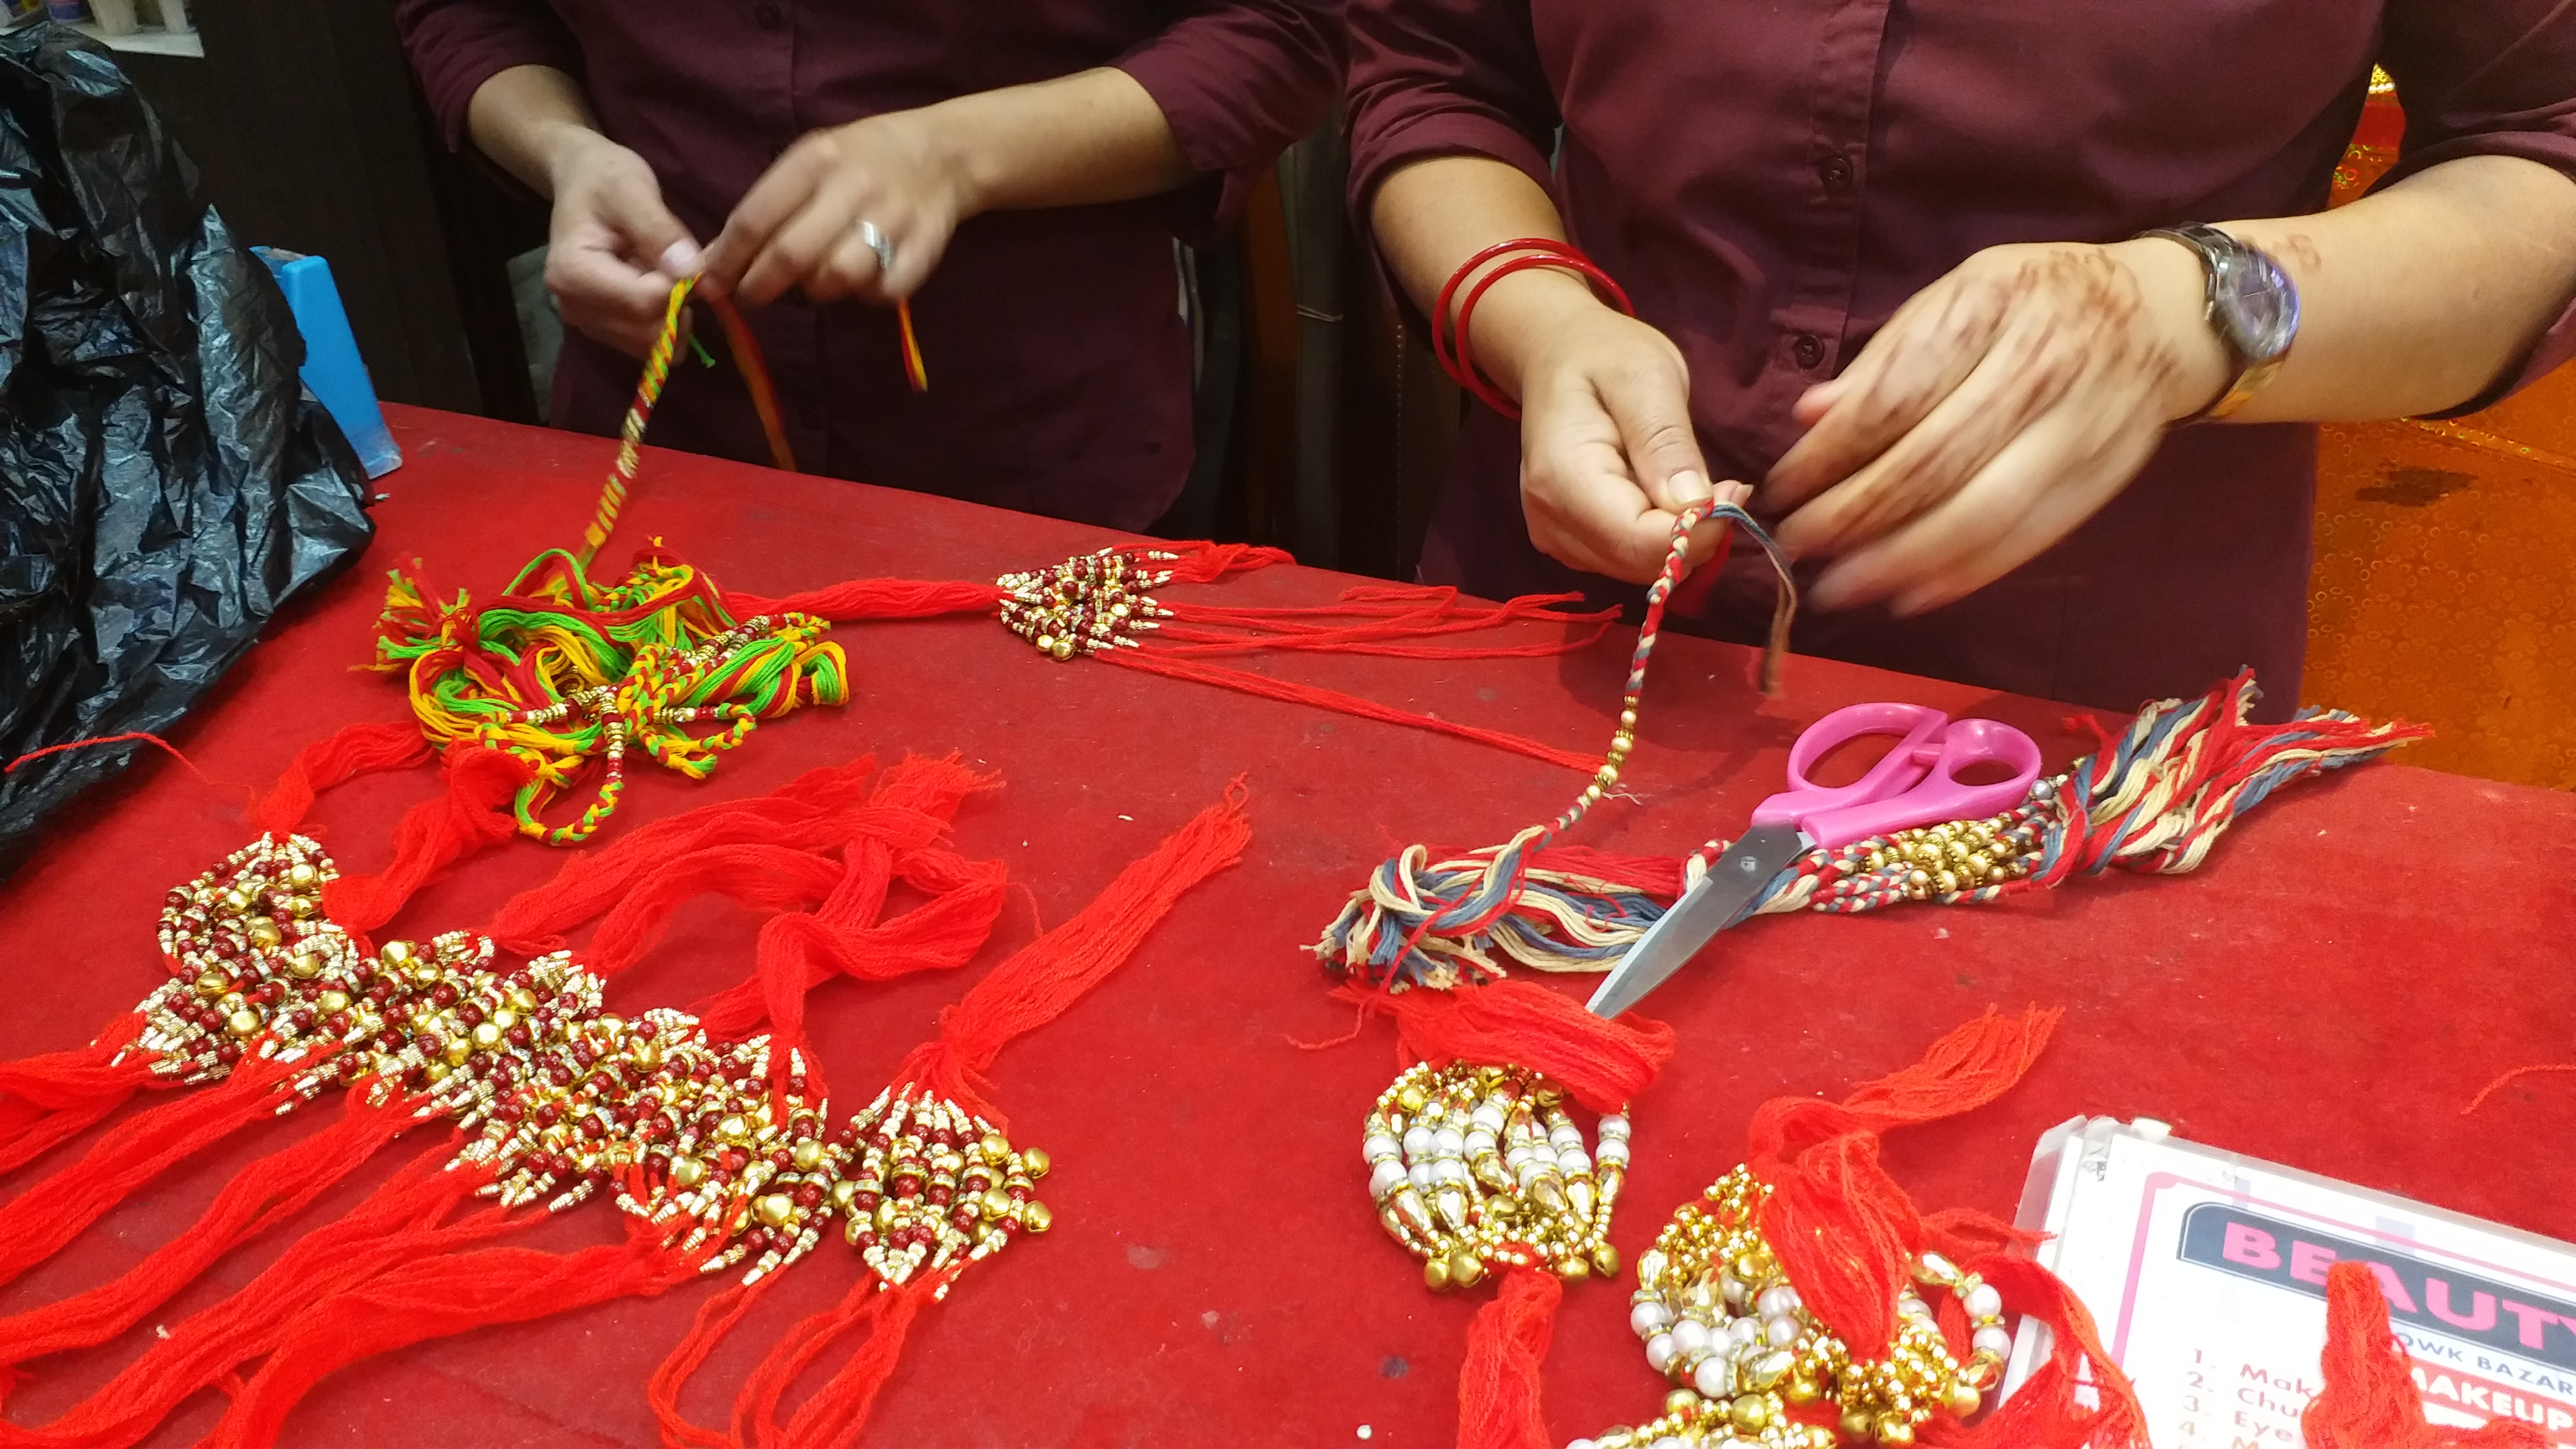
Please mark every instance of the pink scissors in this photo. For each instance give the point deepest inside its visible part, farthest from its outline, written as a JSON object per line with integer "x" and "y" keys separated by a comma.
{"x": 1916, "y": 783}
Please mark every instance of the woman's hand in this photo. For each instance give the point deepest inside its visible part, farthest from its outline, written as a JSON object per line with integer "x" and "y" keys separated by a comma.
{"x": 614, "y": 249}
{"x": 1996, "y": 411}
{"x": 1608, "y": 457}
{"x": 799, "y": 224}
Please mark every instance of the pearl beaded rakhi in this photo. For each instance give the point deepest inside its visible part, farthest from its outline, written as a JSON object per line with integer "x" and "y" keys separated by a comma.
{"x": 562, "y": 1099}
{"x": 1720, "y": 1320}
{"x": 1480, "y": 1168}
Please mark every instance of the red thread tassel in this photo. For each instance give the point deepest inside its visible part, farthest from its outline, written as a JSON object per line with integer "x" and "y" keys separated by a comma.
{"x": 399, "y": 1223}
{"x": 355, "y": 750}
{"x": 1049, "y": 974}
{"x": 860, "y": 599}
{"x": 833, "y": 1414}
{"x": 38, "y": 1222}
{"x": 47, "y": 1100}
{"x": 1605, "y": 1064}
{"x": 437, "y": 1297}
{"x": 267, "y": 1192}
{"x": 2370, "y": 1400}
{"x": 2045, "y": 1412}
{"x": 1498, "y": 1385}
{"x": 716, "y": 1318}
{"x": 468, "y": 816}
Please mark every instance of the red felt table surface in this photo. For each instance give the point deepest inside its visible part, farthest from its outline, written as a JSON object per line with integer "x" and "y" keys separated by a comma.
{"x": 2352, "y": 964}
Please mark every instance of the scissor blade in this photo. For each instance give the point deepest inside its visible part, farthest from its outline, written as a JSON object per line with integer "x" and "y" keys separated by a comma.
{"x": 1731, "y": 888}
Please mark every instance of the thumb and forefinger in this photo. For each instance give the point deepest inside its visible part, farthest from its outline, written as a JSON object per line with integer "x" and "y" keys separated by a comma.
{"x": 1652, "y": 412}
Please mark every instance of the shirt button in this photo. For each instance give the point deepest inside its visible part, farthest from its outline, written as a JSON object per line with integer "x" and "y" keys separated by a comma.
{"x": 1809, "y": 349}
{"x": 767, "y": 16}
{"x": 1835, "y": 172}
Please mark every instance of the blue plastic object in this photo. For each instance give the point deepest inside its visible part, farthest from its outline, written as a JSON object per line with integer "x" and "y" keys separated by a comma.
{"x": 332, "y": 367}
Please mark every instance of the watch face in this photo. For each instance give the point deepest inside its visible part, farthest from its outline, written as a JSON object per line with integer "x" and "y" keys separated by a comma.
{"x": 2257, "y": 305}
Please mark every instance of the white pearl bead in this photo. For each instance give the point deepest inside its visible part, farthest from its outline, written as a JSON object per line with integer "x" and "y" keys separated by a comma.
{"x": 1572, "y": 1161}
{"x": 1380, "y": 1148}
{"x": 1939, "y": 1268}
{"x": 1648, "y": 1319}
{"x": 1714, "y": 1377}
{"x": 1782, "y": 1331}
{"x": 1613, "y": 1150}
{"x": 1450, "y": 1170}
{"x": 1690, "y": 1336}
{"x": 1983, "y": 1301}
{"x": 1991, "y": 1340}
{"x": 1479, "y": 1142}
{"x": 1732, "y": 1288}
{"x": 1777, "y": 1301}
{"x": 1659, "y": 1351}
{"x": 1420, "y": 1172}
{"x": 1615, "y": 1125}
{"x": 1488, "y": 1117}
{"x": 1670, "y": 1442}
{"x": 1447, "y": 1143}
{"x": 1564, "y": 1135}
{"x": 1386, "y": 1178}
{"x": 1417, "y": 1141}
{"x": 1744, "y": 1332}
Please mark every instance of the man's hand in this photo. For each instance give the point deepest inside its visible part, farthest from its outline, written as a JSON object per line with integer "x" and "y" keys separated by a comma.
{"x": 798, "y": 226}
{"x": 615, "y": 250}
{"x": 1999, "y": 408}
{"x": 1608, "y": 457}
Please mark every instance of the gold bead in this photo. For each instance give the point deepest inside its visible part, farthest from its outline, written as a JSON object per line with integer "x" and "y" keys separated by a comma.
{"x": 305, "y": 966}
{"x": 263, "y": 933}
{"x": 1750, "y": 1413}
{"x": 844, "y": 1193}
{"x": 438, "y": 1071}
{"x": 775, "y": 1209}
{"x": 244, "y": 1022}
{"x": 1037, "y": 1162}
{"x": 213, "y": 982}
{"x": 234, "y": 903}
{"x": 1802, "y": 1390}
{"x": 1681, "y": 1401}
{"x": 1063, "y": 649}
{"x": 997, "y": 1203}
{"x": 995, "y": 1147}
{"x": 521, "y": 998}
{"x": 1573, "y": 1269}
{"x": 458, "y": 1049}
{"x": 807, "y": 1154}
{"x": 332, "y": 1002}
{"x": 301, "y": 876}
{"x": 1608, "y": 775}
{"x": 687, "y": 1172}
{"x": 1627, "y": 719}
{"x": 1859, "y": 1425}
{"x": 486, "y": 1036}
{"x": 1944, "y": 882}
{"x": 1964, "y": 1398}
{"x": 396, "y": 954}
{"x": 1605, "y": 1259}
{"x": 1464, "y": 1268}
{"x": 648, "y": 1055}
{"x": 1893, "y": 1429}
{"x": 734, "y": 1129}
{"x": 1037, "y": 1217}
{"x": 1435, "y": 1273}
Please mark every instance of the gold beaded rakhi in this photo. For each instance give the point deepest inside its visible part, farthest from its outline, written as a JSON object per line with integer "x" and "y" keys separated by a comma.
{"x": 1480, "y": 1168}
{"x": 1750, "y": 1365}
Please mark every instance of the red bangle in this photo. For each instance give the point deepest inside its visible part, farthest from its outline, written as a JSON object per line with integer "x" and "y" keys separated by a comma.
{"x": 1455, "y": 358}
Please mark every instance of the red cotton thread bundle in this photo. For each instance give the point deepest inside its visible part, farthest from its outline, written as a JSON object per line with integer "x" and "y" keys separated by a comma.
{"x": 2370, "y": 1400}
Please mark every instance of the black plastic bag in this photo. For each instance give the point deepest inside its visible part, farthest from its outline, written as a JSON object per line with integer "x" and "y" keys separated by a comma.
{"x": 165, "y": 484}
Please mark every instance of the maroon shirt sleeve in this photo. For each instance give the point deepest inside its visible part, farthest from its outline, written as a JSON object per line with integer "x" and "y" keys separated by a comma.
{"x": 457, "y": 45}
{"x": 1445, "y": 78}
{"x": 2488, "y": 78}
{"x": 1239, "y": 82}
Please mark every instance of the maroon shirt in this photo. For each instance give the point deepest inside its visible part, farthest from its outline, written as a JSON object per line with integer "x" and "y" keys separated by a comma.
{"x": 1059, "y": 361}
{"x": 1771, "y": 181}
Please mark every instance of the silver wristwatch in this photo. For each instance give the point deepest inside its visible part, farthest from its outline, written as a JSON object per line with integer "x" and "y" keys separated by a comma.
{"x": 2253, "y": 307}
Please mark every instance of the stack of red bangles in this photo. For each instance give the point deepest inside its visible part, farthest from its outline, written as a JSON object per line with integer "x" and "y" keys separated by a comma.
{"x": 1495, "y": 263}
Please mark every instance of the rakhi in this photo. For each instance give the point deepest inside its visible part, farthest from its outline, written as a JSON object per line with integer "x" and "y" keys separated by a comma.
{"x": 2153, "y": 799}
{"x": 1802, "y": 1302}
{"x": 718, "y": 1145}
{"x": 2371, "y": 1399}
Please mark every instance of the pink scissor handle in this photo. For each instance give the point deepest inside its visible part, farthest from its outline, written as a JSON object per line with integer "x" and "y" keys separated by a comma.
{"x": 1918, "y": 727}
{"x": 1941, "y": 795}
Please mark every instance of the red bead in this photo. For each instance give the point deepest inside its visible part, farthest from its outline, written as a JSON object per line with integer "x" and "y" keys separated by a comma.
{"x": 228, "y": 1053}
{"x": 781, "y": 1157}
{"x": 939, "y": 1195}
{"x": 809, "y": 1195}
{"x": 520, "y": 1037}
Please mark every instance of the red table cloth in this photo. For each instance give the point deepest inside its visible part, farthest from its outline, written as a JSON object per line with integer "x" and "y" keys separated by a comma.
{"x": 2354, "y": 962}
